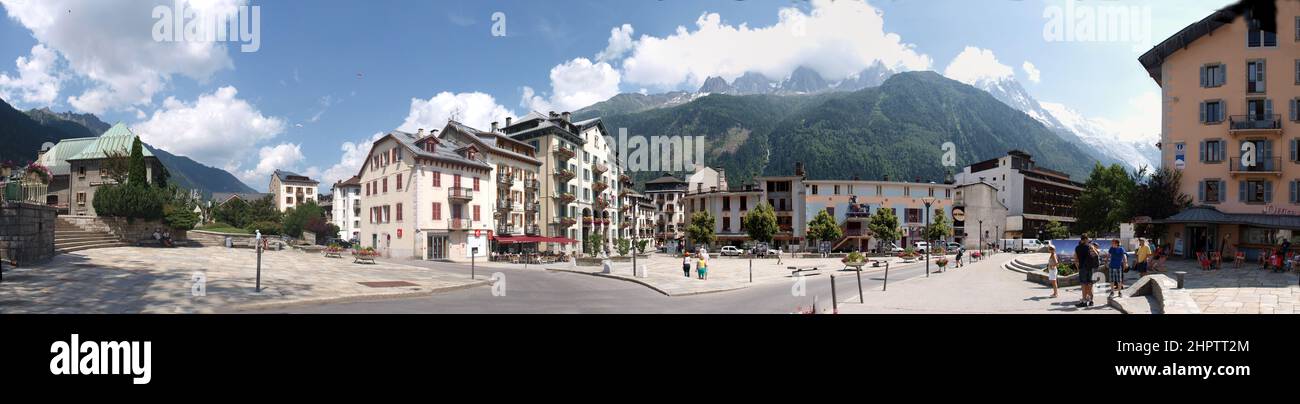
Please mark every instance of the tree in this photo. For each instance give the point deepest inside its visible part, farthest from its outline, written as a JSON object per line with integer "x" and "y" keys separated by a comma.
{"x": 884, "y": 225}
{"x": 115, "y": 165}
{"x": 760, "y": 223}
{"x": 641, "y": 245}
{"x": 234, "y": 212}
{"x": 137, "y": 174}
{"x": 1054, "y": 230}
{"x": 1158, "y": 196}
{"x": 938, "y": 229}
{"x": 296, "y": 218}
{"x": 700, "y": 229}
{"x": 824, "y": 228}
{"x": 1105, "y": 201}
{"x": 623, "y": 246}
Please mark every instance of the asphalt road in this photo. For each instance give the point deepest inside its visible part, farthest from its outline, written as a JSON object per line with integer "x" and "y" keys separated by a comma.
{"x": 541, "y": 291}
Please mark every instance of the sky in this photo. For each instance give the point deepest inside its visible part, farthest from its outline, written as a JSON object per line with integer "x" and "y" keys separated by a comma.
{"x": 317, "y": 81}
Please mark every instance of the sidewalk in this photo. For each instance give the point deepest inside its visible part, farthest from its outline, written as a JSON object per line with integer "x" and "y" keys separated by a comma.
{"x": 1245, "y": 290}
{"x": 156, "y": 280}
{"x": 982, "y": 287}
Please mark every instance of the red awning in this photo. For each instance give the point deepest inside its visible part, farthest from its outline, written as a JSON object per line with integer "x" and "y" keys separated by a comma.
{"x": 534, "y": 239}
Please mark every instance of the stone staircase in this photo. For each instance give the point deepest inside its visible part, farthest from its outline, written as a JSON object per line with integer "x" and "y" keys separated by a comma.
{"x": 69, "y": 238}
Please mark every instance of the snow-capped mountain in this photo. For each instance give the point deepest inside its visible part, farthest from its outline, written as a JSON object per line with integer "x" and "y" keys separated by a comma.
{"x": 802, "y": 80}
{"x": 1088, "y": 134}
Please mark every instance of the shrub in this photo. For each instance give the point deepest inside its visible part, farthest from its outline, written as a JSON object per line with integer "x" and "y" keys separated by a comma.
{"x": 267, "y": 228}
{"x": 131, "y": 202}
{"x": 855, "y": 257}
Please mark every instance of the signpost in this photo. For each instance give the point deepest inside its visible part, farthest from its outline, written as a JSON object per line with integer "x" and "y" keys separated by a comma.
{"x": 473, "y": 257}
{"x": 257, "y": 243}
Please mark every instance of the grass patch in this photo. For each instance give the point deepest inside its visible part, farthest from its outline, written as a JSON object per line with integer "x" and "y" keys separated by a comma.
{"x": 223, "y": 228}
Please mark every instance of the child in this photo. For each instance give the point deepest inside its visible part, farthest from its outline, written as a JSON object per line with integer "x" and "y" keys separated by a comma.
{"x": 1118, "y": 261}
{"x": 702, "y": 266}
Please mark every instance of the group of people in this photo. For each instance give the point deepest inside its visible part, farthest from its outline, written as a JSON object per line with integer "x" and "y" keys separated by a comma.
{"x": 163, "y": 237}
{"x": 701, "y": 264}
{"x": 1088, "y": 259}
{"x": 1277, "y": 260}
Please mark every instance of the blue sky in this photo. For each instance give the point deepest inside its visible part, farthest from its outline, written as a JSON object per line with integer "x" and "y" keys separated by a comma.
{"x": 331, "y": 74}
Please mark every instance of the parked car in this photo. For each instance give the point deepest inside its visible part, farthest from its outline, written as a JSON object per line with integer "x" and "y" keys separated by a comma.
{"x": 730, "y": 250}
{"x": 894, "y": 248}
{"x": 954, "y": 246}
{"x": 920, "y": 247}
{"x": 340, "y": 242}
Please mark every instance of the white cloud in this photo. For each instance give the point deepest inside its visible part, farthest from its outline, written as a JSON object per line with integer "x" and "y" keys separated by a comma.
{"x": 111, "y": 45}
{"x": 38, "y": 79}
{"x": 974, "y": 64}
{"x": 284, "y": 156}
{"x": 475, "y": 109}
{"x": 1141, "y": 121}
{"x": 354, "y": 155}
{"x": 575, "y": 84}
{"x": 1032, "y": 71}
{"x": 620, "y": 41}
{"x": 835, "y": 38}
{"x": 217, "y": 129}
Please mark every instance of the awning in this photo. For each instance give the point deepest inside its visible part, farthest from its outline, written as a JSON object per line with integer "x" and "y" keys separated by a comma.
{"x": 534, "y": 239}
{"x": 1210, "y": 215}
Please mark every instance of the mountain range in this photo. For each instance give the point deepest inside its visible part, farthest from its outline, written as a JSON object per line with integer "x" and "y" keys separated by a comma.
{"x": 895, "y": 129}
{"x": 23, "y": 133}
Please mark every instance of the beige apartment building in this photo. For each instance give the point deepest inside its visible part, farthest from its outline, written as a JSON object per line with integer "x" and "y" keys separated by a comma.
{"x": 515, "y": 205}
{"x": 292, "y": 189}
{"x": 1230, "y": 85}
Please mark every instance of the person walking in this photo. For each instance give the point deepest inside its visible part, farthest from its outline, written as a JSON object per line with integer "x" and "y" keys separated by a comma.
{"x": 1085, "y": 255}
{"x": 1053, "y": 267}
{"x": 1118, "y": 261}
{"x": 1143, "y": 257}
{"x": 702, "y": 265}
{"x": 960, "y": 251}
{"x": 686, "y": 264}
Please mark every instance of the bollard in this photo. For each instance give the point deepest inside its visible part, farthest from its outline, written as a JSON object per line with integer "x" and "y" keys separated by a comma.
{"x": 1180, "y": 275}
{"x": 861, "y": 299}
{"x": 835, "y": 304}
{"x": 751, "y": 270}
{"x": 885, "y": 286}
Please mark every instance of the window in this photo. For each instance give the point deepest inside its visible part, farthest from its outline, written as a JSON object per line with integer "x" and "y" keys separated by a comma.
{"x": 476, "y": 183}
{"x": 744, "y": 204}
{"x": 399, "y": 212}
{"x": 367, "y": 189}
{"x": 82, "y": 169}
{"x": 288, "y": 200}
{"x": 1213, "y": 75}
{"x": 1255, "y": 73}
{"x": 1255, "y": 191}
{"x": 837, "y": 190}
{"x": 476, "y": 214}
{"x": 1295, "y": 149}
{"x": 1212, "y": 111}
{"x": 907, "y": 191}
{"x": 399, "y": 182}
{"x": 1257, "y": 37}
{"x": 437, "y": 211}
{"x": 388, "y": 213}
{"x": 1211, "y": 191}
{"x": 81, "y": 199}
{"x": 1295, "y": 197}
{"x": 1297, "y": 72}
{"x": 385, "y": 185}
{"x": 1295, "y": 109}
{"x": 1260, "y": 109}
{"x": 726, "y": 203}
{"x": 1213, "y": 151}
{"x": 726, "y": 223}
{"x": 437, "y": 179}
{"x": 931, "y": 192}
{"x": 455, "y": 180}
{"x": 814, "y": 190}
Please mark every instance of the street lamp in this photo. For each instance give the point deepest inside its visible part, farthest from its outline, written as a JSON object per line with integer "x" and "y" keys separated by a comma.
{"x": 929, "y": 200}
{"x": 981, "y": 237}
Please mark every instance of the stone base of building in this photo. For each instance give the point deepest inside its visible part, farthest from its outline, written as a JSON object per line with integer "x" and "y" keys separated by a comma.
{"x": 26, "y": 232}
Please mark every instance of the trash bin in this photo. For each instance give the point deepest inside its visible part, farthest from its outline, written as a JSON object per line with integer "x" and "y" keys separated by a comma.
{"x": 228, "y": 243}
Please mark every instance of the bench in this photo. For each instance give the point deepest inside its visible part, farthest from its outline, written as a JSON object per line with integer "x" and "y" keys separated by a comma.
{"x": 333, "y": 254}
{"x": 363, "y": 259}
{"x": 796, "y": 270}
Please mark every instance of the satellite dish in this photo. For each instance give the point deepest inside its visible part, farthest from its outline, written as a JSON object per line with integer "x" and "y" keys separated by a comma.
{"x": 46, "y": 146}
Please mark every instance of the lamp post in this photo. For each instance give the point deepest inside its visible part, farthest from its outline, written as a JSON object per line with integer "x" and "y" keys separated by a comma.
{"x": 981, "y": 237}
{"x": 925, "y": 233}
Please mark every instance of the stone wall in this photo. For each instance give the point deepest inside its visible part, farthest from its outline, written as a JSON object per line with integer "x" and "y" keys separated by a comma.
{"x": 131, "y": 231}
{"x": 212, "y": 238}
{"x": 26, "y": 232}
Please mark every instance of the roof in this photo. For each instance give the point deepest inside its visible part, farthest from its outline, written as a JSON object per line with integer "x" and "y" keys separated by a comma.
{"x": 446, "y": 152}
{"x": 289, "y": 176}
{"x": 56, "y": 159}
{"x": 1154, "y": 58}
{"x": 489, "y": 139}
{"x": 223, "y": 197}
{"x": 666, "y": 178}
{"x": 118, "y": 139}
{"x": 1210, "y": 215}
{"x": 548, "y": 125}
{"x": 355, "y": 182}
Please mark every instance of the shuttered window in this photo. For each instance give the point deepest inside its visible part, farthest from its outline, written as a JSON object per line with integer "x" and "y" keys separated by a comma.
{"x": 1213, "y": 75}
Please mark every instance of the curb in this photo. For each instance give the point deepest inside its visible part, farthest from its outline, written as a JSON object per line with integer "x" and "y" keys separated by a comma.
{"x": 646, "y": 284}
{"x": 351, "y": 298}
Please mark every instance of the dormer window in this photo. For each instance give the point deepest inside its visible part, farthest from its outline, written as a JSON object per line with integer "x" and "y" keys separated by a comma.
{"x": 1257, "y": 37}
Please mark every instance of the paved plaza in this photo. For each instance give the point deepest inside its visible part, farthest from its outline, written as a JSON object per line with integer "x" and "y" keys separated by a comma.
{"x": 155, "y": 280}
{"x": 1245, "y": 290}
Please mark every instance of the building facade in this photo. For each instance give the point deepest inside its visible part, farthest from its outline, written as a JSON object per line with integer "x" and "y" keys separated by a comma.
{"x": 90, "y": 167}
{"x": 1230, "y": 85}
{"x": 666, "y": 194}
{"x": 852, "y": 202}
{"x": 347, "y": 208}
{"x": 515, "y": 204}
{"x": 977, "y": 211}
{"x": 1033, "y": 196}
{"x": 291, "y": 189}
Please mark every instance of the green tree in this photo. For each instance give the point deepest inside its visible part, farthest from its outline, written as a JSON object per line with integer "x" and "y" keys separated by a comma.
{"x": 641, "y": 245}
{"x": 234, "y": 212}
{"x": 137, "y": 174}
{"x": 1158, "y": 196}
{"x": 297, "y": 218}
{"x": 623, "y": 246}
{"x": 760, "y": 223}
{"x": 700, "y": 229}
{"x": 884, "y": 225}
{"x": 1105, "y": 201}
{"x": 824, "y": 228}
{"x": 264, "y": 210}
{"x": 938, "y": 230}
{"x": 1054, "y": 230}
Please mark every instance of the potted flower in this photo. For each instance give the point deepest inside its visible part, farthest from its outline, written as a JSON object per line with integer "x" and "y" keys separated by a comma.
{"x": 942, "y": 262}
{"x": 855, "y": 260}
{"x": 39, "y": 172}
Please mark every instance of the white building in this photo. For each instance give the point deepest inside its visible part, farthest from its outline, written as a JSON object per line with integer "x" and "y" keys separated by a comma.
{"x": 292, "y": 189}
{"x": 347, "y": 208}
{"x": 1032, "y": 195}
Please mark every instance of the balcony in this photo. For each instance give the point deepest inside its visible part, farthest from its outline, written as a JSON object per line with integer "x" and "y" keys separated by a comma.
{"x": 600, "y": 204}
{"x": 459, "y": 224}
{"x": 599, "y": 187}
{"x": 506, "y": 180}
{"x": 532, "y": 206}
{"x": 563, "y": 153}
{"x": 460, "y": 193}
{"x": 563, "y": 175}
{"x": 532, "y": 230}
{"x": 565, "y": 222}
{"x": 1255, "y": 124}
{"x": 566, "y": 198}
{"x": 532, "y": 184}
{"x": 625, "y": 208}
{"x": 1265, "y": 165}
{"x": 597, "y": 169}
{"x": 624, "y": 178}
{"x": 506, "y": 229}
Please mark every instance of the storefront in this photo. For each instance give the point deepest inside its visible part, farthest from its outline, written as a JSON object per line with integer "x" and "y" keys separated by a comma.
{"x": 1205, "y": 229}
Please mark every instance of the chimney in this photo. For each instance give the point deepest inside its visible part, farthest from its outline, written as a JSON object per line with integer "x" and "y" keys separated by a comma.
{"x": 494, "y": 127}
{"x": 722, "y": 179}
{"x": 553, "y": 114}
{"x": 798, "y": 168}
{"x": 419, "y": 133}
{"x": 566, "y": 116}
{"x": 508, "y": 122}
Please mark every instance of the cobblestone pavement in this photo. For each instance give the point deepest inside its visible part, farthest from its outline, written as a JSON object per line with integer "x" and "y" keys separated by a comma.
{"x": 664, "y": 272}
{"x": 982, "y": 287}
{"x": 1245, "y": 290}
{"x": 154, "y": 280}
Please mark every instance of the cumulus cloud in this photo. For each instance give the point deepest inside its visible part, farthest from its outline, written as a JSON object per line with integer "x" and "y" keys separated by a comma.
{"x": 620, "y": 41}
{"x": 575, "y": 84}
{"x": 38, "y": 80}
{"x": 475, "y": 109}
{"x": 974, "y": 64}
{"x": 1031, "y": 71}
{"x": 110, "y": 45}
{"x": 835, "y": 38}
{"x": 1141, "y": 121}
{"x": 354, "y": 155}
{"x": 284, "y": 156}
{"x": 217, "y": 129}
